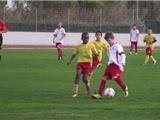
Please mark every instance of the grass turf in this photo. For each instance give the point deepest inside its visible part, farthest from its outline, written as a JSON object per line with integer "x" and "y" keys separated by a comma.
{"x": 34, "y": 85}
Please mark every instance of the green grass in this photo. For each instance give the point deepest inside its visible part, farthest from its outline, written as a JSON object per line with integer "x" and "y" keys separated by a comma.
{"x": 35, "y": 86}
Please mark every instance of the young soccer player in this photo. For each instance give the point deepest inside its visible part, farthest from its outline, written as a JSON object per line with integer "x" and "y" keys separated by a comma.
{"x": 3, "y": 29}
{"x": 149, "y": 39}
{"x": 115, "y": 66}
{"x": 58, "y": 37}
{"x": 100, "y": 45}
{"x": 86, "y": 51}
{"x": 134, "y": 37}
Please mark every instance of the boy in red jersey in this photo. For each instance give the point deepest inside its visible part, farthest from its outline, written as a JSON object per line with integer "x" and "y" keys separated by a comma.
{"x": 86, "y": 51}
{"x": 115, "y": 66}
{"x": 58, "y": 37}
{"x": 3, "y": 29}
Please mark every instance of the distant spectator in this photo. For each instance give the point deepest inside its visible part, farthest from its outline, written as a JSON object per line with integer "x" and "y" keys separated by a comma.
{"x": 58, "y": 37}
{"x": 134, "y": 37}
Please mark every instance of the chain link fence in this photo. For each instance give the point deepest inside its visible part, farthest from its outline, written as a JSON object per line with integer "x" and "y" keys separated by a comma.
{"x": 80, "y": 19}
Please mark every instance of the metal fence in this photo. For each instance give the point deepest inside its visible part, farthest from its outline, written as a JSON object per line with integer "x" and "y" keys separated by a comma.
{"x": 80, "y": 19}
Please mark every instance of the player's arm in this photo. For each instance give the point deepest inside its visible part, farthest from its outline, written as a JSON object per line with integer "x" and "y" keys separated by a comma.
{"x": 123, "y": 56}
{"x": 73, "y": 56}
{"x": 106, "y": 46}
{"x": 144, "y": 40}
{"x": 154, "y": 40}
{"x": 64, "y": 33}
{"x": 137, "y": 35}
{"x": 54, "y": 35}
{"x": 130, "y": 35}
{"x": 70, "y": 60}
{"x": 94, "y": 51}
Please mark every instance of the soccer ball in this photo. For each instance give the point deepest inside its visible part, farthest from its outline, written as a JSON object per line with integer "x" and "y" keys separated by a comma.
{"x": 109, "y": 92}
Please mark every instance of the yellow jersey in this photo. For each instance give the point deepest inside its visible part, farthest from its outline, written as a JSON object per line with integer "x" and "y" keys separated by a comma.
{"x": 85, "y": 52}
{"x": 149, "y": 40}
{"x": 100, "y": 45}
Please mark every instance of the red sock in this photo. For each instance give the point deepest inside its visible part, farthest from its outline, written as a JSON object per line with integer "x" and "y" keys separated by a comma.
{"x": 121, "y": 83}
{"x": 102, "y": 86}
{"x": 136, "y": 48}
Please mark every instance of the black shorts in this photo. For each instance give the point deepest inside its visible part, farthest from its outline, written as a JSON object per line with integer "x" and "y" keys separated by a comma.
{"x": 1, "y": 40}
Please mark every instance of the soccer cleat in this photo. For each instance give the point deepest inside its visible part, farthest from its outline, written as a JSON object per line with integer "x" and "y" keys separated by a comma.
{"x": 74, "y": 95}
{"x": 154, "y": 62}
{"x": 136, "y": 53}
{"x": 96, "y": 96}
{"x": 126, "y": 93}
{"x": 144, "y": 64}
{"x": 130, "y": 53}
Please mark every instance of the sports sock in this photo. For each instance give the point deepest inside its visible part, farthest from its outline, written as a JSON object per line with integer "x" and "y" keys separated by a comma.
{"x": 121, "y": 83}
{"x": 146, "y": 59}
{"x": 75, "y": 89}
{"x": 60, "y": 53}
{"x": 152, "y": 58}
{"x": 88, "y": 88}
{"x": 102, "y": 86}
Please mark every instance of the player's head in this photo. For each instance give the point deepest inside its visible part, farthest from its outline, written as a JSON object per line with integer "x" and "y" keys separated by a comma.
{"x": 98, "y": 35}
{"x": 109, "y": 37}
{"x": 134, "y": 26}
{"x": 85, "y": 37}
{"x": 59, "y": 24}
{"x": 149, "y": 31}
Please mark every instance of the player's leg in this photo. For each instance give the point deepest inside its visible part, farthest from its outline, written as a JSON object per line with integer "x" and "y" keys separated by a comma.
{"x": 59, "y": 49}
{"x": 131, "y": 48}
{"x": 95, "y": 63}
{"x": 148, "y": 53}
{"x": 86, "y": 76}
{"x": 121, "y": 84}
{"x": 152, "y": 58}
{"x": 116, "y": 75}
{"x": 86, "y": 81}
{"x": 77, "y": 80}
{"x": 136, "y": 48}
{"x": 106, "y": 76}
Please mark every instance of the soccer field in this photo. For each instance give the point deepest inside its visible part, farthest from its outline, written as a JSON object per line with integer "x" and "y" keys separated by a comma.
{"x": 34, "y": 85}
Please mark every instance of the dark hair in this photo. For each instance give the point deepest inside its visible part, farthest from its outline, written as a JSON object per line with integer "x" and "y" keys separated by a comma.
{"x": 109, "y": 35}
{"x": 84, "y": 34}
{"x": 98, "y": 32}
{"x": 149, "y": 28}
{"x": 134, "y": 24}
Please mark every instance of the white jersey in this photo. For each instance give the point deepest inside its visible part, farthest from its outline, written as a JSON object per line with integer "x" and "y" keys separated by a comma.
{"x": 134, "y": 35}
{"x": 59, "y": 33}
{"x": 116, "y": 55}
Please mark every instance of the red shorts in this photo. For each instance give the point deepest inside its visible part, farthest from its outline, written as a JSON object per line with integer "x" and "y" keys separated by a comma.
{"x": 84, "y": 67}
{"x": 149, "y": 51}
{"x": 111, "y": 71}
{"x": 134, "y": 43}
{"x": 58, "y": 45}
{"x": 95, "y": 62}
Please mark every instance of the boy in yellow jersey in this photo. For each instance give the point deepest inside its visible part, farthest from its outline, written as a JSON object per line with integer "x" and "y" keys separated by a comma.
{"x": 100, "y": 45}
{"x": 149, "y": 39}
{"x": 86, "y": 51}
